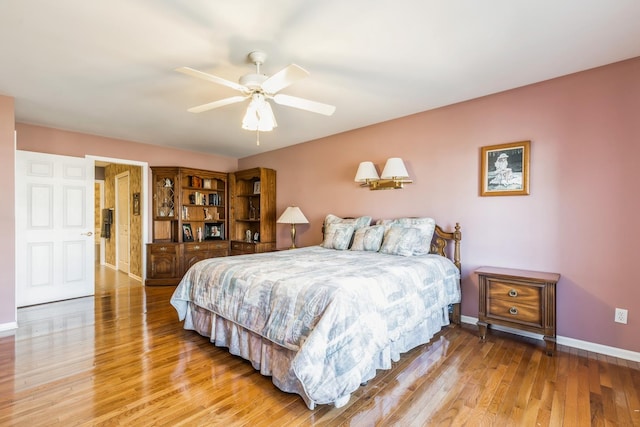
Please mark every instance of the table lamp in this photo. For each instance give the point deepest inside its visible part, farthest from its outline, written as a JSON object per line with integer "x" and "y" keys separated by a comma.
{"x": 293, "y": 215}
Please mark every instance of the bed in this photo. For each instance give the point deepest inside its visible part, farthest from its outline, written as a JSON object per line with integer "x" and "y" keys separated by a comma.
{"x": 321, "y": 320}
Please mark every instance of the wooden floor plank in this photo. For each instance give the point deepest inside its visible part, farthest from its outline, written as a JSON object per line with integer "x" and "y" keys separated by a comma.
{"x": 122, "y": 358}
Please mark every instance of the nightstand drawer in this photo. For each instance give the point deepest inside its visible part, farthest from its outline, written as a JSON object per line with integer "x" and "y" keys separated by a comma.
{"x": 515, "y": 312}
{"x": 511, "y": 291}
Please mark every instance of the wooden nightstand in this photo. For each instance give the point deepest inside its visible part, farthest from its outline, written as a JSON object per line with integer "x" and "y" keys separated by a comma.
{"x": 519, "y": 299}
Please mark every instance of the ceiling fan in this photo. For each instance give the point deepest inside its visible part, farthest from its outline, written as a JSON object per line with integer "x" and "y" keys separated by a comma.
{"x": 260, "y": 88}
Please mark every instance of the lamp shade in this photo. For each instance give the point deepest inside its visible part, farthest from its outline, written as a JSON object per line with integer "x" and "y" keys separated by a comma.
{"x": 292, "y": 215}
{"x": 366, "y": 172}
{"x": 394, "y": 169}
{"x": 259, "y": 115}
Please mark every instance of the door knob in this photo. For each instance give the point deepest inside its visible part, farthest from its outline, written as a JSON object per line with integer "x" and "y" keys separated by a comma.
{"x": 87, "y": 234}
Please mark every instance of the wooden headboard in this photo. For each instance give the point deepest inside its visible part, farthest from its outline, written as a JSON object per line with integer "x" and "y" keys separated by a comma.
{"x": 439, "y": 244}
{"x": 440, "y": 241}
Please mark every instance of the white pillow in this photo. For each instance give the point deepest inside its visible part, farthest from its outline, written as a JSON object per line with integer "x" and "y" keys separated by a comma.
{"x": 426, "y": 226}
{"x": 337, "y": 236}
{"x": 400, "y": 241}
{"x": 359, "y": 222}
{"x": 368, "y": 238}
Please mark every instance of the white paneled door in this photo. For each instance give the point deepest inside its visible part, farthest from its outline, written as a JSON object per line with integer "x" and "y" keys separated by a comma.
{"x": 54, "y": 227}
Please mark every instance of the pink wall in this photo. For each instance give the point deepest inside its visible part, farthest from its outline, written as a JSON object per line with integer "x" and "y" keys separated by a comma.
{"x": 579, "y": 220}
{"x": 7, "y": 213}
{"x": 56, "y": 141}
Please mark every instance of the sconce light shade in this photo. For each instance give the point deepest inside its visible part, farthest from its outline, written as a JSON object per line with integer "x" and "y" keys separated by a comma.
{"x": 394, "y": 175}
{"x": 366, "y": 172}
{"x": 293, "y": 215}
{"x": 394, "y": 169}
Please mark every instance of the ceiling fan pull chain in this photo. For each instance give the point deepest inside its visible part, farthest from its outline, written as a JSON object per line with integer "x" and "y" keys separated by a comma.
{"x": 257, "y": 137}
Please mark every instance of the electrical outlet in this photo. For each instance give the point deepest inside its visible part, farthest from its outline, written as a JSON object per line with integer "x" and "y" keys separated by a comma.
{"x": 621, "y": 315}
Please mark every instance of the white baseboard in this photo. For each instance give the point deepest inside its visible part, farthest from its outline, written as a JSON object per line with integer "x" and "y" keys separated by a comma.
{"x": 134, "y": 277}
{"x": 8, "y": 326}
{"x": 569, "y": 342}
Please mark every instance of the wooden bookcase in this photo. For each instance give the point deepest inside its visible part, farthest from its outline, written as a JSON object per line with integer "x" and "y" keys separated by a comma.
{"x": 252, "y": 206}
{"x": 190, "y": 221}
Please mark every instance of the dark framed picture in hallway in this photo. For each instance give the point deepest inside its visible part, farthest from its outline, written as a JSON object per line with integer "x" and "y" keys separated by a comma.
{"x": 187, "y": 233}
{"x": 504, "y": 169}
{"x": 136, "y": 203}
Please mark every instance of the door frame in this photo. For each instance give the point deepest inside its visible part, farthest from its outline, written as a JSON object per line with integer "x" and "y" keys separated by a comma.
{"x": 143, "y": 201}
{"x": 118, "y": 177}
{"x": 100, "y": 183}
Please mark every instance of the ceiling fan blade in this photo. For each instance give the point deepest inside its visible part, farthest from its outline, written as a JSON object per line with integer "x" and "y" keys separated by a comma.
{"x": 215, "y": 79}
{"x": 217, "y": 104}
{"x": 304, "y": 104}
{"x": 283, "y": 78}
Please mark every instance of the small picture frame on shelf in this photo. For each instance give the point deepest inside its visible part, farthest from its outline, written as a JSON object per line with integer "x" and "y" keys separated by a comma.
{"x": 206, "y": 183}
{"x": 214, "y": 231}
{"x": 195, "y": 181}
{"x": 256, "y": 187}
{"x": 187, "y": 233}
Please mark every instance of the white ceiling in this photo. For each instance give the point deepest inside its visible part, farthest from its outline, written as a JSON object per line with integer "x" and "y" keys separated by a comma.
{"x": 107, "y": 67}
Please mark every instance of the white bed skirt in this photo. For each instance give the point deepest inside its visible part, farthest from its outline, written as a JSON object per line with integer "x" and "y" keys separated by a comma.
{"x": 275, "y": 361}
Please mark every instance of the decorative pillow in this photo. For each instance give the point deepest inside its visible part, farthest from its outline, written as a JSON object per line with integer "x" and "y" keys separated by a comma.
{"x": 368, "y": 238}
{"x": 426, "y": 226}
{"x": 337, "y": 236}
{"x": 400, "y": 241}
{"x": 359, "y": 222}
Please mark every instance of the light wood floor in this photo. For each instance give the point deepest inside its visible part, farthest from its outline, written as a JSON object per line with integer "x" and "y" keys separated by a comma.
{"x": 122, "y": 358}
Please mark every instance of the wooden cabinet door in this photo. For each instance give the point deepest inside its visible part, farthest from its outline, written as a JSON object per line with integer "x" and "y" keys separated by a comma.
{"x": 163, "y": 261}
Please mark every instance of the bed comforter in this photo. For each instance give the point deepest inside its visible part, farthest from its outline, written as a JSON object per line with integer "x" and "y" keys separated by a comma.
{"x": 335, "y": 310}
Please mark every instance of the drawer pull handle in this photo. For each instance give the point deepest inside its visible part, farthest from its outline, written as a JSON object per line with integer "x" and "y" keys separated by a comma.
{"x": 196, "y": 247}
{"x": 513, "y": 293}
{"x": 513, "y": 311}
{"x": 163, "y": 248}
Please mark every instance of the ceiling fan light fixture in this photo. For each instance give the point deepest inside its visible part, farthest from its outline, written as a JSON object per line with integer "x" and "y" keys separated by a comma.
{"x": 259, "y": 87}
{"x": 259, "y": 115}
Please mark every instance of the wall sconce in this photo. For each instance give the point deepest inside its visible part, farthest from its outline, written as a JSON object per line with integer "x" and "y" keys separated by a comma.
{"x": 394, "y": 175}
{"x": 293, "y": 215}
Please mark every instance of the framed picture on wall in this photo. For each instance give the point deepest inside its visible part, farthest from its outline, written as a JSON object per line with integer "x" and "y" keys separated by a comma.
{"x": 504, "y": 169}
{"x": 136, "y": 203}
